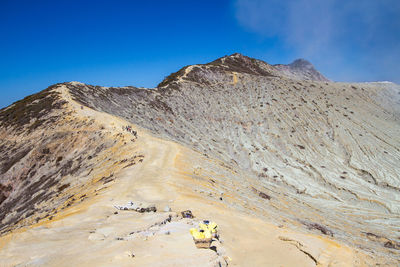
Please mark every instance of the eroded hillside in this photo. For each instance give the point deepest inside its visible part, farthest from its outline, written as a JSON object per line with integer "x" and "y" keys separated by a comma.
{"x": 331, "y": 148}
{"x": 51, "y": 158}
{"x": 246, "y": 139}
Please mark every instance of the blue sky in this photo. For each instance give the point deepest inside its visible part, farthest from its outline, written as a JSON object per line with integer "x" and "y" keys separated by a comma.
{"x": 117, "y": 43}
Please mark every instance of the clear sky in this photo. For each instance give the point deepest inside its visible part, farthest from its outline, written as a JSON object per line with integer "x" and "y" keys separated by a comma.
{"x": 117, "y": 43}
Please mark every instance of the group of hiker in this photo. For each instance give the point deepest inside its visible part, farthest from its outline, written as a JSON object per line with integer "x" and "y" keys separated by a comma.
{"x": 130, "y": 130}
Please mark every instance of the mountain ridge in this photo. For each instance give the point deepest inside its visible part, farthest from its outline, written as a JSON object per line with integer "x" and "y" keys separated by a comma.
{"x": 242, "y": 64}
{"x": 315, "y": 156}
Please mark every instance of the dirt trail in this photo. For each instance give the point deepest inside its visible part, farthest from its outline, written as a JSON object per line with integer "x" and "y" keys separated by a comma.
{"x": 94, "y": 233}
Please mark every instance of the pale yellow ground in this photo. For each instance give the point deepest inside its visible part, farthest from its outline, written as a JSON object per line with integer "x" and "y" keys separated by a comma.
{"x": 86, "y": 234}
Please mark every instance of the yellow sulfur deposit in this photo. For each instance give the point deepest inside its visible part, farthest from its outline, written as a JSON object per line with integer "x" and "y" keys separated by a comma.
{"x": 206, "y": 231}
{"x": 212, "y": 227}
{"x": 197, "y": 234}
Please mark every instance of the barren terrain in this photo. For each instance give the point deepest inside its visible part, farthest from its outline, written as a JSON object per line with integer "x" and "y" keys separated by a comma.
{"x": 295, "y": 169}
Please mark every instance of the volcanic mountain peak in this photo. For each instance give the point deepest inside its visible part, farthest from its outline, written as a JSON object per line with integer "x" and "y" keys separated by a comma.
{"x": 302, "y": 63}
{"x": 301, "y": 69}
{"x": 218, "y": 70}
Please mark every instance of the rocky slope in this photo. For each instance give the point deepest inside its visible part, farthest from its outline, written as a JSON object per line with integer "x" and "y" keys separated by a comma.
{"x": 278, "y": 143}
{"x": 50, "y": 157}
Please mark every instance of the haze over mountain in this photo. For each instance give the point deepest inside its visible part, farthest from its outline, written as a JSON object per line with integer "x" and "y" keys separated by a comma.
{"x": 296, "y": 169}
